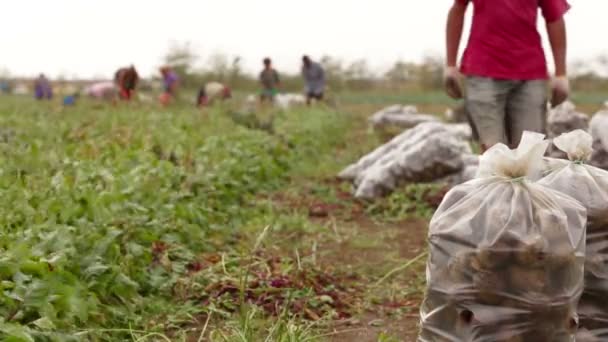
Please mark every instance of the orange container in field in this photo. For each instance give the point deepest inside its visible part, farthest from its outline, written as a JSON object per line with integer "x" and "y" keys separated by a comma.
{"x": 165, "y": 99}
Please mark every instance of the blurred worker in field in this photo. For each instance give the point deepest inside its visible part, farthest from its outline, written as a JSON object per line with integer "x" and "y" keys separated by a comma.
{"x": 170, "y": 85}
{"x": 42, "y": 88}
{"x": 314, "y": 79}
{"x": 269, "y": 79}
{"x": 126, "y": 80}
{"x": 505, "y": 66}
{"x": 105, "y": 91}
{"x": 211, "y": 92}
{"x": 5, "y": 87}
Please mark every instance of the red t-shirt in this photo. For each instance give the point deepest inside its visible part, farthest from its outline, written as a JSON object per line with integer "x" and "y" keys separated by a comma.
{"x": 504, "y": 41}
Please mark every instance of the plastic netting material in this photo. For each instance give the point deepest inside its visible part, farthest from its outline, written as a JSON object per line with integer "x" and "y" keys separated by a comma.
{"x": 408, "y": 138}
{"x": 589, "y": 185}
{"x": 427, "y": 152}
{"x": 506, "y": 255}
{"x": 425, "y": 161}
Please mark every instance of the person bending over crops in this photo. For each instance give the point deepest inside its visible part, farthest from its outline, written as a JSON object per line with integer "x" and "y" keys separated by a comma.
{"x": 170, "y": 85}
{"x": 314, "y": 79}
{"x": 42, "y": 88}
{"x": 211, "y": 92}
{"x": 269, "y": 79}
{"x": 505, "y": 65}
{"x": 126, "y": 80}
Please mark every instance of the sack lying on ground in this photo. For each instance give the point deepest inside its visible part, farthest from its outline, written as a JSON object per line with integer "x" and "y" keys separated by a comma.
{"x": 506, "y": 255}
{"x": 589, "y": 185}
{"x": 599, "y": 131}
{"x": 468, "y": 172}
{"x": 400, "y": 116}
{"x": 410, "y": 137}
{"x": 563, "y": 119}
{"x": 425, "y": 161}
{"x": 286, "y": 101}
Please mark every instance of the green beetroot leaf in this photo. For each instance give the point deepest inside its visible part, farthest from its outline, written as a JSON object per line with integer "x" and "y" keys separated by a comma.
{"x": 105, "y": 210}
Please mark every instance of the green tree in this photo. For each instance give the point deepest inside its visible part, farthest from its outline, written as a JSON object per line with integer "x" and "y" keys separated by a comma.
{"x": 182, "y": 58}
{"x": 400, "y": 72}
{"x": 430, "y": 73}
{"x": 334, "y": 71}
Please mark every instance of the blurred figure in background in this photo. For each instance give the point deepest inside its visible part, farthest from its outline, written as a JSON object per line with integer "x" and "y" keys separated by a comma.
{"x": 102, "y": 91}
{"x": 269, "y": 79}
{"x": 70, "y": 100}
{"x": 126, "y": 80}
{"x": 505, "y": 66}
{"x": 42, "y": 88}
{"x": 314, "y": 79}
{"x": 170, "y": 85}
{"x": 211, "y": 92}
{"x": 5, "y": 87}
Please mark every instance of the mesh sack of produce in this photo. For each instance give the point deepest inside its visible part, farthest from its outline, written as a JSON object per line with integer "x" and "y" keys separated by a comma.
{"x": 425, "y": 161}
{"x": 506, "y": 255}
{"x": 589, "y": 185}
{"x": 354, "y": 170}
{"x": 403, "y": 140}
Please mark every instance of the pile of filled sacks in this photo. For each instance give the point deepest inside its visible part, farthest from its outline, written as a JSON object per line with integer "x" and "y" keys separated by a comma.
{"x": 566, "y": 118}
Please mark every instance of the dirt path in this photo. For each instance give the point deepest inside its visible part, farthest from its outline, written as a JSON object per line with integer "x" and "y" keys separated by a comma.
{"x": 386, "y": 259}
{"x": 375, "y": 249}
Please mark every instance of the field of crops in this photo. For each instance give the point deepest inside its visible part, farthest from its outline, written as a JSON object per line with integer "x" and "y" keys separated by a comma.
{"x": 144, "y": 224}
{"x": 136, "y": 223}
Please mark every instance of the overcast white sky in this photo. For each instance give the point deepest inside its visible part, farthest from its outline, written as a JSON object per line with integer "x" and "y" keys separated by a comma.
{"x": 93, "y": 37}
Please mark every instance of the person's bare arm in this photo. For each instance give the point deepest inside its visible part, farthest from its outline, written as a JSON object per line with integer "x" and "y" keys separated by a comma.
{"x": 454, "y": 28}
{"x": 558, "y": 39}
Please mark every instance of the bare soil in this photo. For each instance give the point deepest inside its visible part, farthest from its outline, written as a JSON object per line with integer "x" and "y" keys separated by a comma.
{"x": 389, "y": 243}
{"x": 356, "y": 243}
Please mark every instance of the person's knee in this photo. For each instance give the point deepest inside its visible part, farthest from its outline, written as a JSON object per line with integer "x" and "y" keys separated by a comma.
{"x": 488, "y": 121}
{"x": 525, "y": 120}
{"x": 527, "y": 111}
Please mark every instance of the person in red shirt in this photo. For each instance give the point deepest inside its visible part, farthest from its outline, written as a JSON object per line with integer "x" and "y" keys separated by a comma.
{"x": 126, "y": 79}
{"x": 505, "y": 65}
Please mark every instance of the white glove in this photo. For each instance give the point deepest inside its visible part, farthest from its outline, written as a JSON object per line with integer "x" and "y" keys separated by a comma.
{"x": 451, "y": 82}
{"x": 560, "y": 90}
